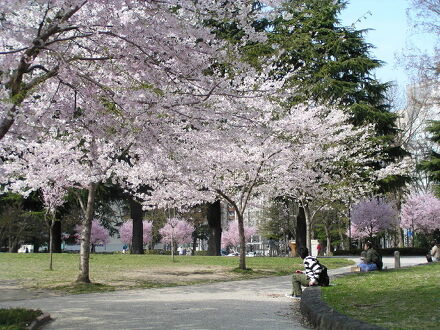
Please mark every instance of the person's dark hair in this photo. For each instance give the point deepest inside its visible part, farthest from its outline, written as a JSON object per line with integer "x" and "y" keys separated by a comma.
{"x": 303, "y": 252}
{"x": 369, "y": 244}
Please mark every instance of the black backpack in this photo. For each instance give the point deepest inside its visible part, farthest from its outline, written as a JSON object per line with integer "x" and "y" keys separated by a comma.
{"x": 379, "y": 262}
{"x": 323, "y": 279}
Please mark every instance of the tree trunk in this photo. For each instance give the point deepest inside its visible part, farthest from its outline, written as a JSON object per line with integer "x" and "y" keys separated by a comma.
{"x": 13, "y": 245}
{"x": 242, "y": 241}
{"x": 56, "y": 238}
{"x": 83, "y": 276}
{"x": 36, "y": 246}
{"x": 308, "y": 228}
{"x": 328, "y": 249}
{"x": 301, "y": 229}
{"x": 193, "y": 252}
{"x": 51, "y": 230}
{"x": 343, "y": 242}
{"x": 215, "y": 228}
{"x": 399, "y": 230}
{"x": 137, "y": 215}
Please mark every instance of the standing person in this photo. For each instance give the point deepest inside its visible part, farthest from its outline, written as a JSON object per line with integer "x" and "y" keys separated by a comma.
{"x": 314, "y": 274}
{"x": 319, "y": 248}
{"x": 435, "y": 251}
{"x": 370, "y": 258}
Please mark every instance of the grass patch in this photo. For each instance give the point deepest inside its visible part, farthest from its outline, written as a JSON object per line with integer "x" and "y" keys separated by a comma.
{"x": 78, "y": 288}
{"x": 407, "y": 298}
{"x": 17, "y": 318}
{"x": 110, "y": 272}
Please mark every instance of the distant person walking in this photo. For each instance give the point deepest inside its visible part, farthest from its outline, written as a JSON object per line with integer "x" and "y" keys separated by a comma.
{"x": 319, "y": 248}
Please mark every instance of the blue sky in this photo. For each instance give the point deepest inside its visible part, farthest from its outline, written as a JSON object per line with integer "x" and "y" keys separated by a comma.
{"x": 391, "y": 34}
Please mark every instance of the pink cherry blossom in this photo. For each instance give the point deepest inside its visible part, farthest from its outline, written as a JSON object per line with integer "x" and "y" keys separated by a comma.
{"x": 372, "y": 216}
{"x": 231, "y": 237}
{"x": 177, "y": 230}
{"x": 421, "y": 213}
{"x": 99, "y": 234}
{"x": 126, "y": 232}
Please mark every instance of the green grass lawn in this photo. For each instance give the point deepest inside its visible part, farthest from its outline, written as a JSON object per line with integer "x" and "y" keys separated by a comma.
{"x": 407, "y": 298}
{"x": 17, "y": 318}
{"x": 122, "y": 271}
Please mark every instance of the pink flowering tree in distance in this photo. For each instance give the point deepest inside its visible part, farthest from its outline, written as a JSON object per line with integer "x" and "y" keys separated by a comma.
{"x": 98, "y": 234}
{"x": 231, "y": 236}
{"x": 421, "y": 213}
{"x": 371, "y": 217}
{"x": 176, "y": 231}
{"x": 126, "y": 232}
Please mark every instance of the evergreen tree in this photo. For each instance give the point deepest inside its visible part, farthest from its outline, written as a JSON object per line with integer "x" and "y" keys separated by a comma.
{"x": 329, "y": 63}
{"x": 432, "y": 164}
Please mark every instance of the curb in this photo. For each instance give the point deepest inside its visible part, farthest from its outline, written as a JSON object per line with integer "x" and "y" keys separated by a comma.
{"x": 321, "y": 316}
{"x": 39, "y": 321}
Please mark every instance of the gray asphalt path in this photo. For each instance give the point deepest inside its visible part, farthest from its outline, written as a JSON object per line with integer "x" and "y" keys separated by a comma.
{"x": 253, "y": 304}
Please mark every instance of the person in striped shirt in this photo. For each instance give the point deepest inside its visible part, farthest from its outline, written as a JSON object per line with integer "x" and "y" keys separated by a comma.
{"x": 314, "y": 274}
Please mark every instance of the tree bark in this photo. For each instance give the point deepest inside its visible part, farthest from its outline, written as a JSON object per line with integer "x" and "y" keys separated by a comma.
{"x": 399, "y": 230}
{"x": 215, "y": 228}
{"x": 51, "y": 230}
{"x": 329, "y": 241}
{"x": 137, "y": 215}
{"x": 308, "y": 228}
{"x": 194, "y": 246}
{"x": 301, "y": 229}
{"x": 56, "y": 238}
{"x": 83, "y": 276}
{"x": 242, "y": 241}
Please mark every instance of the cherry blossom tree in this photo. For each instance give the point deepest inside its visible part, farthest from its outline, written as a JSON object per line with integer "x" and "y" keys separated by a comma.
{"x": 421, "y": 213}
{"x": 98, "y": 234}
{"x": 372, "y": 216}
{"x": 127, "y": 53}
{"x": 231, "y": 236}
{"x": 88, "y": 81}
{"x": 126, "y": 232}
{"x": 176, "y": 231}
{"x": 274, "y": 153}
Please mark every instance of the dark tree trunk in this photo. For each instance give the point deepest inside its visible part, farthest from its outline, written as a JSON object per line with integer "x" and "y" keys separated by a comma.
{"x": 36, "y": 246}
{"x": 301, "y": 229}
{"x": 56, "y": 248}
{"x": 215, "y": 228}
{"x": 137, "y": 215}
{"x": 13, "y": 247}
{"x": 193, "y": 252}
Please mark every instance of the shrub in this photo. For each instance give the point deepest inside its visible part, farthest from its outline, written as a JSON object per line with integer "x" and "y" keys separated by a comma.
{"x": 157, "y": 252}
{"x": 407, "y": 251}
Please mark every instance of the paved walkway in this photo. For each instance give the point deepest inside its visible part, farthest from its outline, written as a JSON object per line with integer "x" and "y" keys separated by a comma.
{"x": 253, "y": 304}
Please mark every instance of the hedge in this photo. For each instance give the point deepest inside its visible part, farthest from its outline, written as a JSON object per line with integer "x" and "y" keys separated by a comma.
{"x": 407, "y": 251}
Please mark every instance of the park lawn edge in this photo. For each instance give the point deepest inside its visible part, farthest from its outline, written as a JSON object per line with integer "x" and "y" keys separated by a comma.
{"x": 17, "y": 318}
{"x": 403, "y": 298}
{"x": 31, "y": 270}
